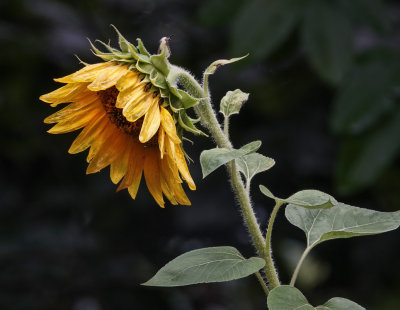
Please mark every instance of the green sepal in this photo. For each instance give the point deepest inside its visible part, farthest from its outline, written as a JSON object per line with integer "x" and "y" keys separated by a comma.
{"x": 194, "y": 120}
{"x": 164, "y": 93}
{"x": 106, "y": 57}
{"x": 185, "y": 122}
{"x": 157, "y": 79}
{"x": 145, "y": 80}
{"x": 161, "y": 63}
{"x": 144, "y": 58}
{"x": 175, "y": 104}
{"x": 173, "y": 90}
{"x": 123, "y": 43}
{"x": 144, "y": 68}
{"x": 133, "y": 50}
{"x": 98, "y": 53}
{"x": 142, "y": 49}
{"x": 187, "y": 100}
{"x": 112, "y": 50}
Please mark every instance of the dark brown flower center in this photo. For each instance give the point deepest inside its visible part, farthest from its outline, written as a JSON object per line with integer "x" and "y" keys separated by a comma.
{"x": 108, "y": 98}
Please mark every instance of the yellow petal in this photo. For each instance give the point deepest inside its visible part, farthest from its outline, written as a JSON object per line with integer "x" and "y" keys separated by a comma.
{"x": 128, "y": 80}
{"x": 168, "y": 192}
{"x": 137, "y": 109}
{"x": 119, "y": 166}
{"x": 75, "y": 121}
{"x": 89, "y": 134}
{"x": 100, "y": 139}
{"x": 86, "y": 74}
{"x": 108, "y": 152}
{"x": 151, "y": 123}
{"x": 152, "y": 175}
{"x": 161, "y": 141}
{"x": 173, "y": 169}
{"x": 67, "y": 93}
{"x": 134, "y": 171}
{"x": 131, "y": 95}
{"x": 71, "y": 109}
{"x": 168, "y": 124}
{"x": 174, "y": 187}
{"x": 107, "y": 78}
{"x": 176, "y": 153}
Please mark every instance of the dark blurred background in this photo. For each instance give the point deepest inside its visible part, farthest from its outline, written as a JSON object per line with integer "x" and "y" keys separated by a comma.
{"x": 323, "y": 78}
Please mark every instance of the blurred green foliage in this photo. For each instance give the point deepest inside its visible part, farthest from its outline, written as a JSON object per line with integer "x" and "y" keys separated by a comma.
{"x": 364, "y": 75}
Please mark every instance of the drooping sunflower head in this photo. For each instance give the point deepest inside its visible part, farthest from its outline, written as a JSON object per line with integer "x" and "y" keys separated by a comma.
{"x": 132, "y": 119}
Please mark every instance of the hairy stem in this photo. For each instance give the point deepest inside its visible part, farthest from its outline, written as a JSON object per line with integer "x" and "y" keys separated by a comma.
{"x": 208, "y": 118}
{"x": 226, "y": 126}
{"x": 271, "y": 272}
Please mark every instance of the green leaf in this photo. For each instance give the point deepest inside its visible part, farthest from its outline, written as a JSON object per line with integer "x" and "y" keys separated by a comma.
{"x": 287, "y": 297}
{"x": 309, "y": 198}
{"x": 251, "y": 164}
{"x": 232, "y": 102}
{"x": 340, "y": 221}
{"x": 217, "y": 264}
{"x": 363, "y": 158}
{"x": 327, "y": 37}
{"x": 215, "y": 158}
{"x": 262, "y": 26}
{"x": 221, "y": 62}
{"x": 362, "y": 98}
{"x": 338, "y": 303}
{"x": 251, "y": 147}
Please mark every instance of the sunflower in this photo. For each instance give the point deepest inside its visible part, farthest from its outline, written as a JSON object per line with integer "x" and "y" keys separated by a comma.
{"x": 127, "y": 125}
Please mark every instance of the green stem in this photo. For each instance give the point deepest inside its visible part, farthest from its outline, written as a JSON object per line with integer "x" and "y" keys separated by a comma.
{"x": 209, "y": 120}
{"x": 204, "y": 108}
{"x": 299, "y": 264}
{"x": 271, "y": 271}
{"x": 262, "y": 282}
{"x": 226, "y": 126}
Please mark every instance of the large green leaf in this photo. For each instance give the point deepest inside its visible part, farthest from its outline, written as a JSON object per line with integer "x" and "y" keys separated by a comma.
{"x": 308, "y": 198}
{"x": 217, "y": 264}
{"x": 363, "y": 98}
{"x": 327, "y": 37}
{"x": 251, "y": 164}
{"x": 290, "y": 298}
{"x": 362, "y": 159}
{"x": 214, "y": 158}
{"x": 340, "y": 221}
{"x": 262, "y": 26}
